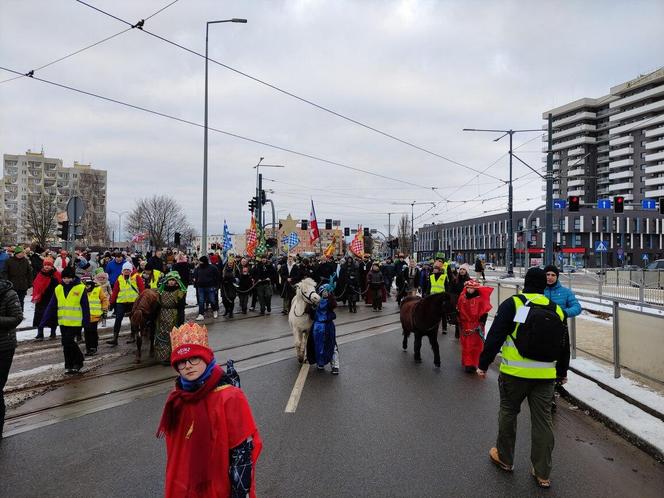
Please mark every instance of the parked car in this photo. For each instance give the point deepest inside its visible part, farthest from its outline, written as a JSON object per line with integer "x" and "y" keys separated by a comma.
{"x": 569, "y": 269}
{"x": 631, "y": 267}
{"x": 489, "y": 266}
{"x": 658, "y": 264}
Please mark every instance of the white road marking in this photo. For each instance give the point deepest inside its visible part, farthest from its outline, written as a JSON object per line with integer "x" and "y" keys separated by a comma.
{"x": 297, "y": 389}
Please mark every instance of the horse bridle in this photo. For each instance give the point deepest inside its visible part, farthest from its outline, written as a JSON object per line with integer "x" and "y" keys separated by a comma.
{"x": 307, "y": 299}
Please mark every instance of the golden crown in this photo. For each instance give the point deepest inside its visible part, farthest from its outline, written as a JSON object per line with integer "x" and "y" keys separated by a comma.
{"x": 189, "y": 333}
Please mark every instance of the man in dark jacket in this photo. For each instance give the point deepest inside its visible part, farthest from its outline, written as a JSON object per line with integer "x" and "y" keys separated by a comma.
{"x": 19, "y": 273}
{"x": 11, "y": 315}
{"x": 263, "y": 275}
{"x": 156, "y": 261}
{"x": 206, "y": 281}
{"x": 387, "y": 269}
{"x": 290, "y": 275}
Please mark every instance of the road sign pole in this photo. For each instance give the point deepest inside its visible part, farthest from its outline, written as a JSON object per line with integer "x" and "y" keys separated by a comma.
{"x": 548, "y": 216}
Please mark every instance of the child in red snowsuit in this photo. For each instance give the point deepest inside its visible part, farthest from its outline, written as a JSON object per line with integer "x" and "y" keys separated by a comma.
{"x": 473, "y": 307}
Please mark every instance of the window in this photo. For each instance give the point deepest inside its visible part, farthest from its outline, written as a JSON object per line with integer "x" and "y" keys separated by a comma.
{"x": 577, "y": 223}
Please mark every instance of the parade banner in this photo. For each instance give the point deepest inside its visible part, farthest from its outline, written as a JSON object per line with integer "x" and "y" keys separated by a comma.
{"x": 329, "y": 250}
{"x": 290, "y": 241}
{"x": 228, "y": 243}
{"x": 314, "y": 234}
{"x": 251, "y": 238}
{"x": 357, "y": 245}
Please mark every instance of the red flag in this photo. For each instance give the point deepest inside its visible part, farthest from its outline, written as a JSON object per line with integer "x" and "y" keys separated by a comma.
{"x": 252, "y": 240}
{"x": 357, "y": 245}
{"x": 313, "y": 225}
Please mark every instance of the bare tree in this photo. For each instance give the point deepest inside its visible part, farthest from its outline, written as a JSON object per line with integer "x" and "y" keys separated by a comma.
{"x": 404, "y": 235}
{"x": 92, "y": 189}
{"x": 158, "y": 217}
{"x": 40, "y": 217}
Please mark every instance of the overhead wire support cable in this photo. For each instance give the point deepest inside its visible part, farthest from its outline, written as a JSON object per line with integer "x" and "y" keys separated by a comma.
{"x": 223, "y": 132}
{"x": 297, "y": 97}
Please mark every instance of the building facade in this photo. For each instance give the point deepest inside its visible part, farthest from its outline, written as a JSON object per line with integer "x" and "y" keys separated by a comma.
{"x": 612, "y": 145}
{"x": 27, "y": 177}
{"x": 631, "y": 238}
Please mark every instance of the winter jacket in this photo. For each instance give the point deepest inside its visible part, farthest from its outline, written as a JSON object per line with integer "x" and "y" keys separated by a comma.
{"x": 10, "y": 316}
{"x": 51, "y": 313}
{"x": 183, "y": 270}
{"x": 114, "y": 270}
{"x": 19, "y": 273}
{"x": 375, "y": 279}
{"x": 61, "y": 263}
{"x": 564, "y": 298}
{"x": 37, "y": 263}
{"x": 262, "y": 273}
{"x": 206, "y": 276}
{"x": 3, "y": 262}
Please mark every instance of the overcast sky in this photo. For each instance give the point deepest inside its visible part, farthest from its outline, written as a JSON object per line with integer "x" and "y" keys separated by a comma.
{"x": 418, "y": 70}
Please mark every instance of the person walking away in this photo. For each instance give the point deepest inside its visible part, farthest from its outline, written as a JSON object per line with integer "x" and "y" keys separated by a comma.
{"x": 473, "y": 308}
{"x": 351, "y": 280}
{"x": 125, "y": 291}
{"x": 19, "y": 273}
{"x": 245, "y": 287}
{"x": 70, "y": 303}
{"x": 565, "y": 298}
{"x": 183, "y": 268}
{"x": 479, "y": 269}
{"x": 43, "y": 288}
{"x": 528, "y": 330}
{"x": 323, "y": 349}
{"x": 11, "y": 315}
{"x": 376, "y": 288}
{"x": 437, "y": 285}
{"x": 263, "y": 278}
{"x": 172, "y": 301}
{"x": 98, "y": 301}
{"x": 228, "y": 290}
{"x": 387, "y": 269}
{"x": 455, "y": 285}
{"x": 206, "y": 281}
{"x": 212, "y": 441}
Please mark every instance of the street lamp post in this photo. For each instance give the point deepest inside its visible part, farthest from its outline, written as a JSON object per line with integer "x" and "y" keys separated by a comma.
{"x": 205, "y": 133}
{"x": 120, "y": 215}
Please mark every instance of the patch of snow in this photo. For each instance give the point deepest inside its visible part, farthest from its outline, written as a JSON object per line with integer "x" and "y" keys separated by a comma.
{"x": 624, "y": 414}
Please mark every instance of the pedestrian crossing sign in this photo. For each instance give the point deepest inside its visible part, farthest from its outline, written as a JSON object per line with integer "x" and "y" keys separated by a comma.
{"x": 601, "y": 246}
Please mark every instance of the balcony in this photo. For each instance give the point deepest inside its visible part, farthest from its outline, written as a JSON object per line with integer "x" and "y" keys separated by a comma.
{"x": 636, "y": 125}
{"x": 574, "y": 142}
{"x": 622, "y": 163}
{"x": 621, "y": 140}
{"x": 576, "y": 183}
{"x": 602, "y": 171}
{"x": 602, "y": 149}
{"x": 624, "y": 151}
{"x": 571, "y": 119}
{"x": 604, "y": 180}
{"x": 657, "y": 156}
{"x": 655, "y": 193}
{"x": 578, "y": 151}
{"x": 576, "y": 172}
{"x": 658, "y": 180}
{"x": 603, "y": 159}
{"x": 657, "y": 144}
{"x": 653, "y": 92}
{"x": 655, "y": 132}
{"x": 621, "y": 174}
{"x": 637, "y": 111}
{"x": 575, "y": 130}
{"x": 576, "y": 192}
{"x": 651, "y": 170}
{"x": 579, "y": 163}
{"x": 621, "y": 186}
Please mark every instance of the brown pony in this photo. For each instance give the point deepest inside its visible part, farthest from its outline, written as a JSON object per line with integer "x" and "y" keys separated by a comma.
{"x": 421, "y": 316}
{"x": 143, "y": 317}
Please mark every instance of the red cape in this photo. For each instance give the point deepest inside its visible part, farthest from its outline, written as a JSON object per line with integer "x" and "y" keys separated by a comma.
{"x": 231, "y": 423}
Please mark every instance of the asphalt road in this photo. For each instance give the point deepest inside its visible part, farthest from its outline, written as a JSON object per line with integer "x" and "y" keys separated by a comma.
{"x": 384, "y": 427}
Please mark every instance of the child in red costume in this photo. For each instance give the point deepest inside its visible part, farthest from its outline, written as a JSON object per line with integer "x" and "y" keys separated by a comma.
{"x": 473, "y": 307}
{"x": 212, "y": 442}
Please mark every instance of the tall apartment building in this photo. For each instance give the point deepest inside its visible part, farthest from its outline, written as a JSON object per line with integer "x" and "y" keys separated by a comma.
{"x": 612, "y": 145}
{"x": 30, "y": 175}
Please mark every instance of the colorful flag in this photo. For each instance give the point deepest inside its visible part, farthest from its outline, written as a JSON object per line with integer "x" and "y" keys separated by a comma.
{"x": 261, "y": 248}
{"x": 329, "y": 250}
{"x": 314, "y": 235}
{"x": 251, "y": 238}
{"x": 228, "y": 243}
{"x": 291, "y": 240}
{"x": 357, "y": 245}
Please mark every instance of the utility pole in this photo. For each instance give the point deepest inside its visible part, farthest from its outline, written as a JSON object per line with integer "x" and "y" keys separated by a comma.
{"x": 548, "y": 216}
{"x": 259, "y": 187}
{"x": 509, "y": 256}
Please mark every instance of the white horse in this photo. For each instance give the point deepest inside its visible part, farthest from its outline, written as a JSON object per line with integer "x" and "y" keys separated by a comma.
{"x": 298, "y": 317}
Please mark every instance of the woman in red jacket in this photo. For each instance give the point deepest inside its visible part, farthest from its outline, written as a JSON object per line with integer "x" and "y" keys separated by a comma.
{"x": 473, "y": 307}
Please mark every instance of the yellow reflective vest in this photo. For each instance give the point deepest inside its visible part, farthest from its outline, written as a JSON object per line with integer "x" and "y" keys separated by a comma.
{"x": 128, "y": 289}
{"x": 156, "y": 275}
{"x": 95, "y": 303}
{"x": 437, "y": 286}
{"x": 513, "y": 363}
{"x": 70, "y": 312}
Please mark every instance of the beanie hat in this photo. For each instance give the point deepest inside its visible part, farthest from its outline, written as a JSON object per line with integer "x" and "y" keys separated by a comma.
{"x": 552, "y": 268}
{"x": 101, "y": 277}
{"x": 18, "y": 250}
{"x": 466, "y": 267}
{"x": 127, "y": 266}
{"x": 48, "y": 261}
{"x": 188, "y": 341}
{"x": 535, "y": 280}
{"x": 203, "y": 259}
{"x": 68, "y": 272}
{"x": 99, "y": 270}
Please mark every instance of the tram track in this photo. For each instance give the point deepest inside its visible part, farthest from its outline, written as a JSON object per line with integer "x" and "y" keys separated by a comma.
{"x": 167, "y": 376}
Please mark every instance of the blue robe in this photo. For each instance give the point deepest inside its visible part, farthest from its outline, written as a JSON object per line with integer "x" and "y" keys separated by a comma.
{"x": 324, "y": 332}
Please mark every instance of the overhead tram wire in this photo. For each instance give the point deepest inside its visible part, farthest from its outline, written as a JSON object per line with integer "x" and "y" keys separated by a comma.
{"x": 297, "y": 97}
{"x": 30, "y": 73}
{"x": 223, "y": 132}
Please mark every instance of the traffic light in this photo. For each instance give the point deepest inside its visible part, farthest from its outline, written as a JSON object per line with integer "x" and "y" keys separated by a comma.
{"x": 176, "y": 238}
{"x": 304, "y": 225}
{"x": 573, "y": 202}
{"x": 328, "y": 223}
{"x": 63, "y": 230}
{"x": 347, "y": 229}
{"x": 618, "y": 204}
{"x": 252, "y": 205}
{"x": 661, "y": 205}
{"x": 271, "y": 242}
{"x": 366, "y": 232}
{"x": 263, "y": 198}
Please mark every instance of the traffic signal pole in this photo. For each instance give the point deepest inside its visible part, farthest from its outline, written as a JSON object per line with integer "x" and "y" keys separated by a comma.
{"x": 548, "y": 216}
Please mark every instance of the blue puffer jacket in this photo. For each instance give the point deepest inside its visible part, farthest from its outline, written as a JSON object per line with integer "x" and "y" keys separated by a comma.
{"x": 564, "y": 298}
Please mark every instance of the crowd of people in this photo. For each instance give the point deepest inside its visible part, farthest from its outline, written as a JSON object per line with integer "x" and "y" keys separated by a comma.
{"x": 78, "y": 291}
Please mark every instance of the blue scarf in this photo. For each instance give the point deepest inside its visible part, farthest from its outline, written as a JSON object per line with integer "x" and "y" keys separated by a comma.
{"x": 192, "y": 385}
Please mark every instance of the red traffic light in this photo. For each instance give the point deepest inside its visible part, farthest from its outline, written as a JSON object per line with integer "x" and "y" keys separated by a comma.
{"x": 618, "y": 204}
{"x": 573, "y": 202}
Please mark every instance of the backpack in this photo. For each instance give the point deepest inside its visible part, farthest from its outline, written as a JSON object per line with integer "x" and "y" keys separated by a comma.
{"x": 542, "y": 336}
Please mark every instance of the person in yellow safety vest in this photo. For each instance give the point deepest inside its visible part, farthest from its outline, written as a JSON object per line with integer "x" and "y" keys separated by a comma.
{"x": 70, "y": 303}
{"x": 437, "y": 285}
{"x": 98, "y": 301}
{"x": 151, "y": 276}
{"x": 125, "y": 291}
{"x": 522, "y": 378}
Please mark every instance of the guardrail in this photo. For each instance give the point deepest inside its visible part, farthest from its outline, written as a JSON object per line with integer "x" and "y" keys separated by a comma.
{"x": 636, "y": 339}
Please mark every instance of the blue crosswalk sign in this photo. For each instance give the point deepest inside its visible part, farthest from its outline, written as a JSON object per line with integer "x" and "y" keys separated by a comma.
{"x": 601, "y": 246}
{"x": 604, "y": 204}
{"x": 645, "y": 257}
